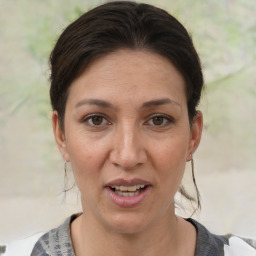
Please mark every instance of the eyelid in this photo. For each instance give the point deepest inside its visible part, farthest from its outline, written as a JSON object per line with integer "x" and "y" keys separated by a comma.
{"x": 168, "y": 118}
{"x": 90, "y": 116}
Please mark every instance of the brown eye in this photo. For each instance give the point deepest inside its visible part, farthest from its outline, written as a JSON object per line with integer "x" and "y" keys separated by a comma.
{"x": 158, "y": 120}
{"x": 97, "y": 120}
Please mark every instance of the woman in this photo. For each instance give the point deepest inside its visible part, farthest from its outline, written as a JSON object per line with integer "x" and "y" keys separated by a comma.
{"x": 125, "y": 84}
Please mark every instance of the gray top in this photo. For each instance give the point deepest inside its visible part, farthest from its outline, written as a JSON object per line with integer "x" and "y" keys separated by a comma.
{"x": 57, "y": 242}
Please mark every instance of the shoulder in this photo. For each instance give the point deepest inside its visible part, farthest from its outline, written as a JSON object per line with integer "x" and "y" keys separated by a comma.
{"x": 56, "y": 242}
{"x": 41, "y": 247}
{"x": 209, "y": 244}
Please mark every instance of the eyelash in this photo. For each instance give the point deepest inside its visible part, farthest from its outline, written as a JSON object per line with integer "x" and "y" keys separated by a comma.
{"x": 88, "y": 120}
{"x": 166, "y": 120}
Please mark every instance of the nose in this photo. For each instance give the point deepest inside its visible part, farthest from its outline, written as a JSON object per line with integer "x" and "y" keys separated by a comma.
{"x": 128, "y": 150}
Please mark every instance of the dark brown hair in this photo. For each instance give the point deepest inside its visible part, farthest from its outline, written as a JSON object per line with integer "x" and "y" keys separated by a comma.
{"x": 116, "y": 25}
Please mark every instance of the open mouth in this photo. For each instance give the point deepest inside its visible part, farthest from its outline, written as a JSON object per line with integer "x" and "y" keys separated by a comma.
{"x": 128, "y": 191}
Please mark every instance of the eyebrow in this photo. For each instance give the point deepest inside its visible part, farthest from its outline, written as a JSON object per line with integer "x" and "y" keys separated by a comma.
{"x": 148, "y": 104}
{"x": 159, "y": 102}
{"x": 101, "y": 103}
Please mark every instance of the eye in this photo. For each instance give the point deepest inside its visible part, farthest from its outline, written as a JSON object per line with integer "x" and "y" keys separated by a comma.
{"x": 160, "y": 120}
{"x": 96, "y": 120}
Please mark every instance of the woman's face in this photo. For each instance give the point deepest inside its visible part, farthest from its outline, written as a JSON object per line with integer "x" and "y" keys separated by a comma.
{"x": 128, "y": 137}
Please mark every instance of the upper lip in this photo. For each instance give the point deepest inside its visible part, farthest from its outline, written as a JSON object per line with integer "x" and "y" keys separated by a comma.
{"x": 126, "y": 182}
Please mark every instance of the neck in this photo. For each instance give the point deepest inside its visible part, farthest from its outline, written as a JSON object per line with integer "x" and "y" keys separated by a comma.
{"x": 161, "y": 238}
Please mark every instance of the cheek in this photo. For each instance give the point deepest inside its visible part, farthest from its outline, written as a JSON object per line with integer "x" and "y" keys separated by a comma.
{"x": 170, "y": 160}
{"x": 86, "y": 162}
{"x": 172, "y": 152}
{"x": 87, "y": 155}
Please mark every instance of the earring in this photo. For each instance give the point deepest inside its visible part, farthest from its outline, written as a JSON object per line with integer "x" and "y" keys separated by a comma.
{"x": 65, "y": 177}
{"x": 194, "y": 181}
{"x": 192, "y": 162}
{"x": 66, "y": 180}
{"x": 189, "y": 157}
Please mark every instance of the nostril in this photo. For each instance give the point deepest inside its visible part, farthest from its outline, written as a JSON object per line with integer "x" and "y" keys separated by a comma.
{"x": 128, "y": 155}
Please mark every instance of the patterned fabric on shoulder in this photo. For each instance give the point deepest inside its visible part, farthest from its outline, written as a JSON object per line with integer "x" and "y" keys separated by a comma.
{"x": 240, "y": 247}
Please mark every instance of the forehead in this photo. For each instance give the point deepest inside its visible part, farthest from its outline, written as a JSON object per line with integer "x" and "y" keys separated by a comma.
{"x": 129, "y": 74}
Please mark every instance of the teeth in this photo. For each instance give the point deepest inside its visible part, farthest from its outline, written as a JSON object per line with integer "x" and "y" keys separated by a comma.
{"x": 128, "y": 188}
{"x": 127, "y": 194}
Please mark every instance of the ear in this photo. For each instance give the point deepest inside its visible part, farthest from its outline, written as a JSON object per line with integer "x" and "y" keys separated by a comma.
{"x": 59, "y": 136}
{"x": 196, "y": 133}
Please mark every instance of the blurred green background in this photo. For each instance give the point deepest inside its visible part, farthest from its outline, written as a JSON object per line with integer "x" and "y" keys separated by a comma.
{"x": 224, "y": 33}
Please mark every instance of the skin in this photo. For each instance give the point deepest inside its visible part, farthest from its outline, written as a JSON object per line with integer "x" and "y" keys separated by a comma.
{"x": 126, "y": 140}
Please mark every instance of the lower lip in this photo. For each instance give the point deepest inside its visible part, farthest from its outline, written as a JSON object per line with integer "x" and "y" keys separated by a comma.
{"x": 128, "y": 201}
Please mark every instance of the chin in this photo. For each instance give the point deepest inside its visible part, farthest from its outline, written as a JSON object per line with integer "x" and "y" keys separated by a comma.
{"x": 128, "y": 223}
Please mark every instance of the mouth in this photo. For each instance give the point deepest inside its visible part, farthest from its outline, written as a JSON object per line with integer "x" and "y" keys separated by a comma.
{"x": 129, "y": 191}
